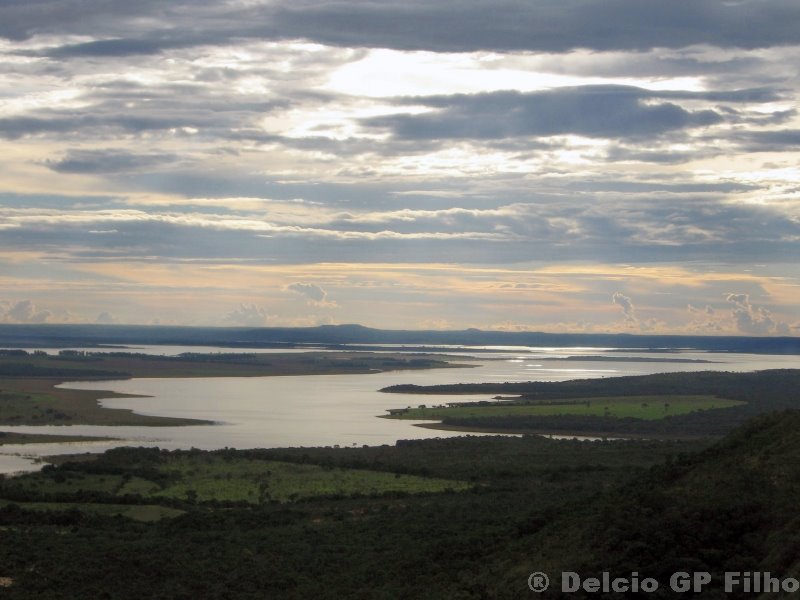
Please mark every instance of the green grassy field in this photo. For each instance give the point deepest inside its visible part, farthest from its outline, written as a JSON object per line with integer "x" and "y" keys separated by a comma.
{"x": 639, "y": 407}
{"x": 535, "y": 504}
{"x": 204, "y": 477}
{"x": 257, "y": 481}
{"x": 29, "y": 407}
{"x": 36, "y": 401}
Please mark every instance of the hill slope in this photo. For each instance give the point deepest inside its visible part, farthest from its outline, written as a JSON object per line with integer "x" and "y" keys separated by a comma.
{"x": 731, "y": 508}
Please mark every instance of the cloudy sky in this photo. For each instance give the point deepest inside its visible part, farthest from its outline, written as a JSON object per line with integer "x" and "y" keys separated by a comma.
{"x": 553, "y": 165}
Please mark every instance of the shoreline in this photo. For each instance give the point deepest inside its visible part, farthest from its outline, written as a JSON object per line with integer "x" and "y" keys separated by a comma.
{"x": 39, "y": 396}
{"x": 13, "y": 438}
{"x": 616, "y": 435}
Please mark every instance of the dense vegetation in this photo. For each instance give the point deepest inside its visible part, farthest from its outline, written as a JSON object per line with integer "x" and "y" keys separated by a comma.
{"x": 532, "y": 504}
{"x": 77, "y": 364}
{"x": 462, "y": 518}
{"x": 731, "y": 508}
{"x": 382, "y": 544}
{"x": 637, "y": 407}
{"x": 222, "y": 478}
{"x": 757, "y": 393}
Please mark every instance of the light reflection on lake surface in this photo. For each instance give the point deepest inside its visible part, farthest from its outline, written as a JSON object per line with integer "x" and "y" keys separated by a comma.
{"x": 326, "y": 410}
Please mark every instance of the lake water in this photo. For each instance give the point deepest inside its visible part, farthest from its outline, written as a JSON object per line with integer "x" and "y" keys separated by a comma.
{"x": 327, "y": 410}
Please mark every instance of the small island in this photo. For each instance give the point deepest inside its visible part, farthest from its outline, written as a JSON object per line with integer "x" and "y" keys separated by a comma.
{"x": 665, "y": 405}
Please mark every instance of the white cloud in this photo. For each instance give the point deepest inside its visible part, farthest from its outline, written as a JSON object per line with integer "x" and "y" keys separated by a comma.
{"x": 248, "y": 315}
{"x": 313, "y": 293}
{"x": 705, "y": 320}
{"x": 626, "y": 304}
{"x": 253, "y": 133}
{"x": 754, "y": 320}
{"x": 106, "y": 318}
{"x": 26, "y": 311}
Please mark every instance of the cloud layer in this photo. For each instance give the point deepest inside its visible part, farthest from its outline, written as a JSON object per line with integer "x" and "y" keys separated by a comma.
{"x": 547, "y": 26}
{"x": 628, "y": 134}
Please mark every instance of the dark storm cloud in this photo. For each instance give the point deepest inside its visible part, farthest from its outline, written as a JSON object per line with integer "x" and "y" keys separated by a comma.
{"x": 666, "y": 157}
{"x": 644, "y": 64}
{"x": 769, "y": 141}
{"x": 751, "y": 95}
{"x": 592, "y": 111}
{"x": 116, "y": 47}
{"x": 462, "y": 25}
{"x": 115, "y": 108}
{"x": 622, "y": 230}
{"x": 545, "y": 25}
{"x": 21, "y": 19}
{"x": 108, "y": 161}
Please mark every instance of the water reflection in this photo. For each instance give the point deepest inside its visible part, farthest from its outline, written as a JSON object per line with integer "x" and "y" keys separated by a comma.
{"x": 327, "y": 410}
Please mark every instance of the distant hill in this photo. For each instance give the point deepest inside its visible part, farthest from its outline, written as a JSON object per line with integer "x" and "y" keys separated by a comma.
{"x": 14, "y": 335}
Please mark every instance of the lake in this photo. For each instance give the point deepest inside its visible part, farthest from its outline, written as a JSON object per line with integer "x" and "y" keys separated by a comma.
{"x": 327, "y": 410}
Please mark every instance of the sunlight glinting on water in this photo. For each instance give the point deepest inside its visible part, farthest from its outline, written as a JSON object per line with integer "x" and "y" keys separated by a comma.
{"x": 328, "y": 410}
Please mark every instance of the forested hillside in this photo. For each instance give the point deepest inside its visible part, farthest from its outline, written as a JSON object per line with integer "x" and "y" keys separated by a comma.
{"x": 457, "y": 518}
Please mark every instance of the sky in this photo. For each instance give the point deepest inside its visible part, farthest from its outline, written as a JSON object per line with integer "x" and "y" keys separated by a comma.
{"x": 544, "y": 165}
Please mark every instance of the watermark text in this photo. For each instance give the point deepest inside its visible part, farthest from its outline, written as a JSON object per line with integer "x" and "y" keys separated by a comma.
{"x": 748, "y": 582}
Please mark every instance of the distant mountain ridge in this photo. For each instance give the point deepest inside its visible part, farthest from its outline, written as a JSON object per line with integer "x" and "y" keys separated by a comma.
{"x": 25, "y": 335}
